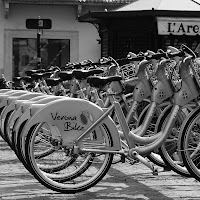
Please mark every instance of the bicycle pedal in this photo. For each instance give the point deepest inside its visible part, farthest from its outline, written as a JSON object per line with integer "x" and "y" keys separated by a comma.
{"x": 155, "y": 172}
{"x": 123, "y": 158}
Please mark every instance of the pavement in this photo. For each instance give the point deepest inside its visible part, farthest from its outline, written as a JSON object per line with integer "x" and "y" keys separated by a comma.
{"x": 123, "y": 182}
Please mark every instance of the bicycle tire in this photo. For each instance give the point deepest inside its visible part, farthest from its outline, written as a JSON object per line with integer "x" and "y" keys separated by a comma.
{"x": 189, "y": 140}
{"x": 133, "y": 124}
{"x": 48, "y": 152}
{"x": 72, "y": 185}
{"x": 169, "y": 151}
{"x": 154, "y": 157}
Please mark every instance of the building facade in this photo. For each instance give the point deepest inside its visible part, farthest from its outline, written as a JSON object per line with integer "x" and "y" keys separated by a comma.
{"x": 147, "y": 25}
{"x": 68, "y": 40}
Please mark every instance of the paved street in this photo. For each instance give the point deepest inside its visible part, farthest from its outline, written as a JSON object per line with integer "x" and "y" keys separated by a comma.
{"x": 123, "y": 182}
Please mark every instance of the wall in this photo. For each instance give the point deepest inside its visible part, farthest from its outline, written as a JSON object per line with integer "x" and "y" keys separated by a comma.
{"x": 64, "y": 23}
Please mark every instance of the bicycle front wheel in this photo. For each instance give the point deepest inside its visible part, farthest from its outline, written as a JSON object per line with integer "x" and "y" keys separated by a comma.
{"x": 190, "y": 144}
{"x": 153, "y": 156}
{"x": 169, "y": 150}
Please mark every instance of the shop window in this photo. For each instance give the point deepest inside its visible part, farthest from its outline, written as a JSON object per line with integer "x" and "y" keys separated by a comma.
{"x": 52, "y": 51}
{"x": 129, "y": 41}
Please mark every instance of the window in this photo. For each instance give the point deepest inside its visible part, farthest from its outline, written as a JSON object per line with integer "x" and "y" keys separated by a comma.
{"x": 52, "y": 52}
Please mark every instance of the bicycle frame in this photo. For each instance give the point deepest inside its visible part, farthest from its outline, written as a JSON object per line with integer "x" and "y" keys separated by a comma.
{"x": 142, "y": 91}
{"x": 154, "y": 142}
{"x": 137, "y": 151}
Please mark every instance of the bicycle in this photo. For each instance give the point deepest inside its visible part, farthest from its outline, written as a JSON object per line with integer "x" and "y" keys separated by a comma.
{"x": 188, "y": 139}
{"x": 19, "y": 142}
{"x": 107, "y": 143}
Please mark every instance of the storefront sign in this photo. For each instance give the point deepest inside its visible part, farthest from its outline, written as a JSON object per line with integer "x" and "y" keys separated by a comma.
{"x": 178, "y": 26}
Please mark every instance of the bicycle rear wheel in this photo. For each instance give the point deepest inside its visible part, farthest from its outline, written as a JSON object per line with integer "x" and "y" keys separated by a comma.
{"x": 85, "y": 171}
{"x": 46, "y": 151}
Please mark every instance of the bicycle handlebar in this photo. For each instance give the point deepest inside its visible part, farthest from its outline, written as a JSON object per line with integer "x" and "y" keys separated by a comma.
{"x": 141, "y": 56}
{"x": 188, "y": 50}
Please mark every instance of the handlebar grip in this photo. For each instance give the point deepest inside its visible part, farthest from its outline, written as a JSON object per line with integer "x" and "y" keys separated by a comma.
{"x": 77, "y": 66}
{"x": 188, "y": 50}
{"x": 156, "y": 56}
{"x": 138, "y": 58}
{"x": 178, "y": 54}
{"x": 94, "y": 64}
{"x": 123, "y": 61}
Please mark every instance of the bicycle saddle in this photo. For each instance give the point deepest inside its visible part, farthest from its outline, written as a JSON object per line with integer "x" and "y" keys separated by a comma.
{"x": 80, "y": 74}
{"x": 30, "y": 72}
{"x": 37, "y": 76}
{"x": 47, "y": 74}
{"x": 53, "y": 81}
{"x": 92, "y": 72}
{"x": 99, "y": 82}
{"x": 28, "y": 79}
{"x": 65, "y": 76}
{"x": 17, "y": 78}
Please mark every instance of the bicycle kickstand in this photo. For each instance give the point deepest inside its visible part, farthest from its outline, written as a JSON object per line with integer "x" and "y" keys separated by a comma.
{"x": 150, "y": 165}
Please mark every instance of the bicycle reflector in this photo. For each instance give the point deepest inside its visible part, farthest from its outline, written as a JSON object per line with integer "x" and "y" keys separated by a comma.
{"x": 38, "y": 24}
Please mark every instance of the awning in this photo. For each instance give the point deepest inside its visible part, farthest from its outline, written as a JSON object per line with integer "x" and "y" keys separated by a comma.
{"x": 178, "y": 5}
{"x": 162, "y": 8}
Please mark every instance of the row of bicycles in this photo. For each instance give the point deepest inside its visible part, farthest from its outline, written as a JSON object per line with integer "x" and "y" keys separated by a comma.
{"x": 69, "y": 126}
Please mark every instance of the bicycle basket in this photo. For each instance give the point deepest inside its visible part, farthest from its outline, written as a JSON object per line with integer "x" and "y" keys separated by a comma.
{"x": 128, "y": 71}
{"x": 196, "y": 70}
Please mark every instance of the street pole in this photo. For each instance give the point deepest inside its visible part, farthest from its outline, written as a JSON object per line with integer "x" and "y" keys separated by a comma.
{"x": 38, "y": 49}
{"x": 38, "y": 24}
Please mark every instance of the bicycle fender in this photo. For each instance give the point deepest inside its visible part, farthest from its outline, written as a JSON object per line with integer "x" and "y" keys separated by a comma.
{"x": 5, "y": 100}
{"x": 11, "y": 101}
{"x": 30, "y": 96}
{"x": 72, "y": 117}
{"x": 24, "y": 105}
{"x": 18, "y": 110}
